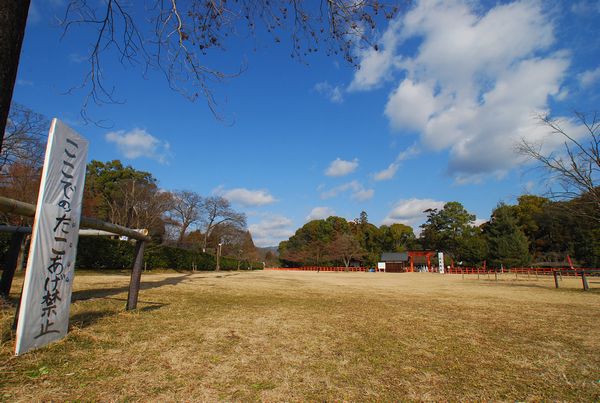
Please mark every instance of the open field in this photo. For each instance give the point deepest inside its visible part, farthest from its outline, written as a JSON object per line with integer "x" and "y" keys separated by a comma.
{"x": 316, "y": 336}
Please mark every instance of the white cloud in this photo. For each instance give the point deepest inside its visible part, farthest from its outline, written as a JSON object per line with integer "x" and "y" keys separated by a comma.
{"x": 271, "y": 230}
{"x": 376, "y": 64}
{"x": 389, "y": 172}
{"x": 334, "y": 94}
{"x": 319, "y": 213}
{"x": 246, "y": 197}
{"x": 340, "y": 167}
{"x": 359, "y": 192}
{"x": 589, "y": 77}
{"x": 138, "y": 143}
{"x": 411, "y": 211}
{"x": 476, "y": 82}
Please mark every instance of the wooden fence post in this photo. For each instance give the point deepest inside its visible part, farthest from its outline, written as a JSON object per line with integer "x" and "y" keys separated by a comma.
{"x": 10, "y": 263}
{"x": 555, "y": 278}
{"x": 136, "y": 275}
{"x": 586, "y": 287}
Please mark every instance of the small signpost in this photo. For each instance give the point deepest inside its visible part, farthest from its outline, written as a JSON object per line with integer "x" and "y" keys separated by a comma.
{"x": 44, "y": 310}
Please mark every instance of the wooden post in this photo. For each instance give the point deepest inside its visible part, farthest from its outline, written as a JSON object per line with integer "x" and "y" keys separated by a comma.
{"x": 555, "y": 278}
{"x": 10, "y": 264}
{"x": 586, "y": 287}
{"x": 496, "y": 275}
{"x": 136, "y": 275}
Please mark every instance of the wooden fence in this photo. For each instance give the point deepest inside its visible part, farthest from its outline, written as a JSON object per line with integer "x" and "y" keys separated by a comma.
{"x": 536, "y": 271}
{"x": 486, "y": 273}
{"x": 320, "y": 268}
{"x": 17, "y": 243}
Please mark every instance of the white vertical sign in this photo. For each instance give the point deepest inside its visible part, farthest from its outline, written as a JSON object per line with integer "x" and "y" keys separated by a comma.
{"x": 44, "y": 311}
{"x": 441, "y": 262}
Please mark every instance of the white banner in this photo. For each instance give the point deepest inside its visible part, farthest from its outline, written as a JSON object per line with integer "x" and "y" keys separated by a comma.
{"x": 44, "y": 311}
{"x": 440, "y": 262}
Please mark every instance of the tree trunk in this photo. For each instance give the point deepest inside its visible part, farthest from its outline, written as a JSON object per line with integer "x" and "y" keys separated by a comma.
{"x": 184, "y": 228}
{"x": 13, "y": 18}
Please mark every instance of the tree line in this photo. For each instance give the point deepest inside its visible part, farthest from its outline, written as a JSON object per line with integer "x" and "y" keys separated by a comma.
{"x": 123, "y": 195}
{"x": 535, "y": 231}
{"x": 544, "y": 231}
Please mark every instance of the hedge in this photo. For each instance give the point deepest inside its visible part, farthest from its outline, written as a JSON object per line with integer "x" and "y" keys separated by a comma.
{"x": 105, "y": 253}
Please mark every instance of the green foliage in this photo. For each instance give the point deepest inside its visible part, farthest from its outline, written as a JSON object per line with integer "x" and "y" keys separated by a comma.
{"x": 98, "y": 252}
{"x": 396, "y": 238}
{"x": 319, "y": 242}
{"x": 472, "y": 247}
{"x": 105, "y": 253}
{"x": 444, "y": 229}
{"x": 308, "y": 244}
{"x": 369, "y": 238}
{"x": 508, "y": 245}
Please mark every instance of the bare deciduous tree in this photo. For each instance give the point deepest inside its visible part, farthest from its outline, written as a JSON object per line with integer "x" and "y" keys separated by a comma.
{"x": 181, "y": 35}
{"x": 185, "y": 210}
{"x": 574, "y": 171}
{"x": 24, "y": 138}
{"x": 215, "y": 211}
{"x": 137, "y": 204}
{"x": 176, "y": 37}
{"x": 22, "y": 157}
{"x": 20, "y": 181}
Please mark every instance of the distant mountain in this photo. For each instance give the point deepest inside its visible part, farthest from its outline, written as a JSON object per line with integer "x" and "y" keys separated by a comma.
{"x": 272, "y": 249}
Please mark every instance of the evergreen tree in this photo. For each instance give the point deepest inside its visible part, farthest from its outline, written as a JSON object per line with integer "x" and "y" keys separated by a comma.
{"x": 508, "y": 245}
{"x": 444, "y": 229}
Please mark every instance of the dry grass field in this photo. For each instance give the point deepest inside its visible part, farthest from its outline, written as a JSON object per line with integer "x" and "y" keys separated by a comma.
{"x": 316, "y": 336}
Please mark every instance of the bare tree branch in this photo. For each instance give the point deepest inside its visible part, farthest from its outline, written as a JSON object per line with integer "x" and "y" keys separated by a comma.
{"x": 178, "y": 37}
{"x": 573, "y": 172}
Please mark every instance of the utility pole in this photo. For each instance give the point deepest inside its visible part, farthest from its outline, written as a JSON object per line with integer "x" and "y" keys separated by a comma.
{"x": 219, "y": 257}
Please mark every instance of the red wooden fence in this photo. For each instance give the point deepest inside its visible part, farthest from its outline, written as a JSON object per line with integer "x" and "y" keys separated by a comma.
{"x": 321, "y": 268}
{"x": 453, "y": 270}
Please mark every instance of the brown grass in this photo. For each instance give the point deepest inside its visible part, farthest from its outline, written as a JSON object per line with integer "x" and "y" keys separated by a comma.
{"x": 306, "y": 336}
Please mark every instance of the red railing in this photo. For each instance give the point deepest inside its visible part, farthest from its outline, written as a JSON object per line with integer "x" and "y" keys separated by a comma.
{"x": 544, "y": 271}
{"x": 319, "y": 268}
{"x": 548, "y": 271}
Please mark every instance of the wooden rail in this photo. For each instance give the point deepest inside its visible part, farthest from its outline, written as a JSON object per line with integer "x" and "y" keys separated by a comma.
{"x": 28, "y": 210}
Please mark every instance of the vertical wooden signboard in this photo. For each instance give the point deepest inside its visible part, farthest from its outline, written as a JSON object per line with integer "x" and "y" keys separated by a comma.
{"x": 44, "y": 313}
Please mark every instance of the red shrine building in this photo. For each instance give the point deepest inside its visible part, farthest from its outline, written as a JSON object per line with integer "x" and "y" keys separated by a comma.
{"x": 410, "y": 261}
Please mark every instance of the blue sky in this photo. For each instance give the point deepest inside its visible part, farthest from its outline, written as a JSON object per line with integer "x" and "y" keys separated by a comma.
{"x": 431, "y": 117}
